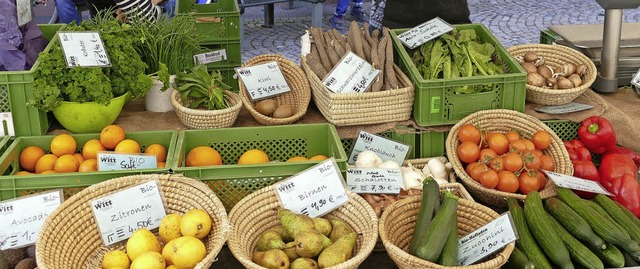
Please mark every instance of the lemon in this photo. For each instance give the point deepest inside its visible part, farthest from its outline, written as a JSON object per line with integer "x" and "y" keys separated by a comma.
{"x": 142, "y": 241}
{"x": 169, "y": 228}
{"x": 166, "y": 252}
{"x": 196, "y": 222}
{"x": 172, "y": 267}
{"x": 149, "y": 260}
{"x": 187, "y": 251}
{"x": 114, "y": 259}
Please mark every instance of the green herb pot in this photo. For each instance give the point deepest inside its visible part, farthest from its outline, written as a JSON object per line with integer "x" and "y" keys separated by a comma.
{"x": 89, "y": 117}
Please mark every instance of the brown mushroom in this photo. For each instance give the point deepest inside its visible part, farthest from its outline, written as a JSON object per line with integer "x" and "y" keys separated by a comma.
{"x": 529, "y": 67}
{"x": 564, "y": 83}
{"x": 575, "y": 79}
{"x": 581, "y": 70}
{"x": 530, "y": 57}
{"x": 535, "y": 79}
{"x": 545, "y": 71}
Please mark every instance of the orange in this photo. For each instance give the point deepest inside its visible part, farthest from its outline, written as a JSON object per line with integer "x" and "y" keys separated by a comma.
{"x": 128, "y": 146}
{"x": 159, "y": 150}
{"x": 161, "y": 164}
{"x": 253, "y": 156}
{"x": 318, "y": 157}
{"x": 111, "y": 135}
{"x": 46, "y": 162}
{"x": 297, "y": 159}
{"x": 29, "y": 156}
{"x": 89, "y": 165}
{"x": 203, "y": 156}
{"x": 63, "y": 144}
{"x": 79, "y": 157}
{"x": 21, "y": 173}
{"x": 91, "y": 148}
{"x": 48, "y": 172}
{"x": 66, "y": 163}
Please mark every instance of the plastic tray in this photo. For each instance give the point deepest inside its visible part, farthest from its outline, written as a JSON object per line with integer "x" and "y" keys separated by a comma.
{"x": 548, "y": 37}
{"x": 216, "y": 21}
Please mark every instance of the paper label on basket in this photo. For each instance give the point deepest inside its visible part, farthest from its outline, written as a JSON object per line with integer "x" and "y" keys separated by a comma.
{"x": 120, "y": 214}
{"x": 108, "y": 161}
{"x": 375, "y": 180}
{"x": 636, "y": 80}
{"x": 84, "y": 49}
{"x": 576, "y": 183}
{"x": 263, "y": 80}
{"x": 424, "y": 32}
{"x": 315, "y": 191}
{"x": 21, "y": 219}
{"x": 563, "y": 109}
{"x": 387, "y": 149}
{"x": 486, "y": 240}
{"x": 210, "y": 57}
{"x": 351, "y": 75}
{"x": 6, "y": 119}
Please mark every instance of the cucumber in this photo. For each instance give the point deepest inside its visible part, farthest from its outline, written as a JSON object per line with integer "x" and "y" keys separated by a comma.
{"x": 526, "y": 242}
{"x": 449, "y": 256}
{"x": 604, "y": 213}
{"x": 628, "y": 260}
{"x": 617, "y": 214}
{"x": 544, "y": 233}
{"x": 611, "y": 256}
{"x": 630, "y": 215}
{"x": 428, "y": 207}
{"x": 519, "y": 260}
{"x": 430, "y": 245}
{"x": 574, "y": 223}
{"x": 578, "y": 252}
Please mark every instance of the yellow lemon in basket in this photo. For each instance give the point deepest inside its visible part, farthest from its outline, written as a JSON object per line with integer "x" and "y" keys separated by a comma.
{"x": 63, "y": 144}
{"x": 172, "y": 267}
{"x": 140, "y": 242}
{"x": 29, "y": 156}
{"x": 169, "y": 228}
{"x": 196, "y": 222}
{"x": 149, "y": 260}
{"x": 203, "y": 156}
{"x": 187, "y": 251}
{"x": 114, "y": 259}
{"x": 166, "y": 252}
{"x": 253, "y": 156}
{"x": 297, "y": 159}
{"x": 159, "y": 150}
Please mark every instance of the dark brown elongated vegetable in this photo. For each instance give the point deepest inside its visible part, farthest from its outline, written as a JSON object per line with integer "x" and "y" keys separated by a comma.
{"x": 355, "y": 39}
{"x": 313, "y": 60}
{"x": 339, "y": 49}
{"x": 316, "y": 33}
{"x": 381, "y": 59}
{"x": 375, "y": 34}
{"x": 341, "y": 39}
{"x": 366, "y": 48}
{"x": 389, "y": 73}
{"x": 331, "y": 50}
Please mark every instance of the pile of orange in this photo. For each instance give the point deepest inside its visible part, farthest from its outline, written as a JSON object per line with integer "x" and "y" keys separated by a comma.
{"x": 207, "y": 156}
{"x": 505, "y": 161}
{"x": 65, "y": 157}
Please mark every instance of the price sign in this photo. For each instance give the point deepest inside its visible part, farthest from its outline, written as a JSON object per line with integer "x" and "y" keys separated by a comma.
{"x": 424, "y": 32}
{"x": 315, "y": 191}
{"x": 21, "y": 219}
{"x": 486, "y": 240}
{"x": 352, "y": 74}
{"x": 374, "y": 180}
{"x": 263, "y": 81}
{"x": 210, "y": 57}
{"x": 385, "y": 148}
{"x": 563, "y": 109}
{"x": 120, "y": 214}
{"x": 114, "y": 161}
{"x": 6, "y": 119}
{"x": 636, "y": 80}
{"x": 576, "y": 183}
{"x": 84, "y": 49}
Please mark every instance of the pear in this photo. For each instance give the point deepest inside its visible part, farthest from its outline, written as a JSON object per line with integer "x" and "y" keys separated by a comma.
{"x": 286, "y": 237}
{"x": 322, "y": 225}
{"x": 340, "y": 229}
{"x": 290, "y": 249}
{"x": 270, "y": 239}
{"x": 272, "y": 259}
{"x": 304, "y": 263}
{"x": 309, "y": 244}
{"x": 338, "y": 252}
{"x": 295, "y": 223}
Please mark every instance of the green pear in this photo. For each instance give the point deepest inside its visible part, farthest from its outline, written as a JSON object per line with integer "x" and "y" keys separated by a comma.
{"x": 270, "y": 239}
{"x": 286, "y": 237}
{"x": 304, "y": 263}
{"x": 338, "y": 252}
{"x": 322, "y": 225}
{"x": 272, "y": 259}
{"x": 290, "y": 249}
{"x": 295, "y": 223}
{"x": 340, "y": 229}
{"x": 309, "y": 244}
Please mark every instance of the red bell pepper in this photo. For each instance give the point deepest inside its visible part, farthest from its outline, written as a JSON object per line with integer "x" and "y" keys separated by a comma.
{"x": 586, "y": 170}
{"x": 597, "y": 134}
{"x": 618, "y": 174}
{"x": 577, "y": 150}
{"x": 622, "y": 150}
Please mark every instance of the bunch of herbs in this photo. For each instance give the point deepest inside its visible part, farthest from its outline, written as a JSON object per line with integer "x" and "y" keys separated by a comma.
{"x": 203, "y": 89}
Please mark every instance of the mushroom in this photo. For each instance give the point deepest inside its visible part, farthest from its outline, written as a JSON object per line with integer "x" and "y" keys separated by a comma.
{"x": 575, "y": 79}
{"x": 545, "y": 71}
{"x": 564, "y": 83}
{"x": 540, "y": 61}
{"x": 581, "y": 70}
{"x": 551, "y": 81}
{"x": 535, "y": 79}
{"x": 568, "y": 69}
{"x": 529, "y": 67}
{"x": 530, "y": 57}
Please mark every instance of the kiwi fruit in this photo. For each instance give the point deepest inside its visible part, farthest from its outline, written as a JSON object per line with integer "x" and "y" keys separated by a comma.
{"x": 266, "y": 107}
{"x": 284, "y": 111}
{"x": 31, "y": 251}
{"x": 28, "y": 263}
{"x": 13, "y": 256}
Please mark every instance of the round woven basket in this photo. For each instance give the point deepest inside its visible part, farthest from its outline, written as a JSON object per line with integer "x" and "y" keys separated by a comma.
{"x": 399, "y": 220}
{"x": 299, "y": 96}
{"x": 207, "y": 119}
{"x": 70, "y": 237}
{"x": 555, "y": 56}
{"x": 259, "y": 211}
{"x": 504, "y": 120}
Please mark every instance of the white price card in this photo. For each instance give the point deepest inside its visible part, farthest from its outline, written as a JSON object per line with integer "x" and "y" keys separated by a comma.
{"x": 387, "y": 149}
{"x": 315, "y": 191}
{"x": 210, "y": 57}
{"x": 424, "y": 32}
{"x": 263, "y": 81}
{"x": 351, "y": 75}
{"x": 486, "y": 240}
{"x": 84, "y": 49}
{"x": 636, "y": 80}
{"x": 21, "y": 219}
{"x": 375, "y": 180}
{"x": 576, "y": 183}
{"x": 120, "y": 214}
{"x": 563, "y": 109}
{"x": 108, "y": 161}
{"x": 6, "y": 119}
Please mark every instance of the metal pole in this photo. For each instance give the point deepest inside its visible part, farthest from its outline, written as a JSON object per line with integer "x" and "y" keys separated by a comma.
{"x": 611, "y": 43}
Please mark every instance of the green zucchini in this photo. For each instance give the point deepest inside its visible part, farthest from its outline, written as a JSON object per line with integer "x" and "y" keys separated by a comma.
{"x": 519, "y": 260}
{"x": 574, "y": 223}
{"x": 428, "y": 207}
{"x": 544, "y": 233}
{"x": 578, "y": 252}
{"x": 611, "y": 256}
{"x": 526, "y": 242}
{"x": 617, "y": 214}
{"x": 449, "y": 256}
{"x": 430, "y": 245}
{"x": 628, "y": 260}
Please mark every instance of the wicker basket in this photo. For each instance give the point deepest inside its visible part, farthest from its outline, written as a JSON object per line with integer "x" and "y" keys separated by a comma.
{"x": 503, "y": 120}
{"x": 555, "y": 56}
{"x": 299, "y": 96}
{"x": 70, "y": 238}
{"x": 398, "y": 223}
{"x": 207, "y": 119}
{"x": 344, "y": 109}
{"x": 258, "y": 212}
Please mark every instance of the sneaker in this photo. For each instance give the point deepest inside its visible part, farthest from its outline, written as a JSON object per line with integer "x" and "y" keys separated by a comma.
{"x": 359, "y": 15}
{"x": 336, "y": 22}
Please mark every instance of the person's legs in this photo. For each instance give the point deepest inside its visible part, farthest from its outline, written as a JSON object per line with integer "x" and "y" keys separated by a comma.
{"x": 338, "y": 16}
{"x": 67, "y": 11}
{"x": 356, "y": 11}
{"x": 170, "y": 7}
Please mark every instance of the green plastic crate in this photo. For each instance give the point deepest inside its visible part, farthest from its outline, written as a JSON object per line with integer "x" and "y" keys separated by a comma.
{"x": 409, "y": 138}
{"x": 216, "y": 21}
{"x": 432, "y": 144}
{"x": 232, "y": 49}
{"x": 566, "y": 130}
{"x": 437, "y": 104}
{"x": 16, "y": 88}
{"x": 548, "y": 37}
{"x": 15, "y": 186}
{"x": 5, "y": 142}
{"x": 232, "y": 182}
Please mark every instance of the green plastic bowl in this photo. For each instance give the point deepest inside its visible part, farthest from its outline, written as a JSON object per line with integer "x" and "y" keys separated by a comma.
{"x": 89, "y": 117}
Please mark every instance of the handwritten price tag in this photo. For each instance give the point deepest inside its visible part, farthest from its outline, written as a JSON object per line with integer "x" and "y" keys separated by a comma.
{"x": 352, "y": 74}
{"x": 315, "y": 191}
{"x": 576, "y": 183}
{"x": 263, "y": 81}
{"x": 374, "y": 180}
{"x": 210, "y": 57}
{"x": 424, "y": 32}
{"x": 120, "y": 214}
{"x": 114, "y": 161}
{"x": 84, "y": 49}
{"x": 387, "y": 149}
{"x": 563, "y": 109}
{"x": 6, "y": 119}
{"x": 486, "y": 240}
{"x": 21, "y": 219}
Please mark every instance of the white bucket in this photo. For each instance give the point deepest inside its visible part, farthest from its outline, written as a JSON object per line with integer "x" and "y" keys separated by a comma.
{"x": 157, "y": 100}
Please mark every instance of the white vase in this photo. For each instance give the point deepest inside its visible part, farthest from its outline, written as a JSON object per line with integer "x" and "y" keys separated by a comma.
{"x": 157, "y": 100}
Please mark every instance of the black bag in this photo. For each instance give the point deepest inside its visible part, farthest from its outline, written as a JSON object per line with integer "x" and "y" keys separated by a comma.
{"x": 411, "y": 13}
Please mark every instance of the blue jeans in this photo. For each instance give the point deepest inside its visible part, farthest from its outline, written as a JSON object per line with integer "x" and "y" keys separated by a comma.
{"x": 67, "y": 11}
{"x": 170, "y": 7}
{"x": 343, "y": 5}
